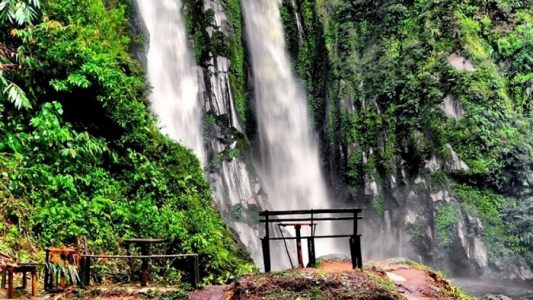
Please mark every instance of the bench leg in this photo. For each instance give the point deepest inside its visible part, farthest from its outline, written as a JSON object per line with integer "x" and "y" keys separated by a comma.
{"x": 4, "y": 274}
{"x": 34, "y": 283}
{"x": 47, "y": 279}
{"x": 24, "y": 283}
{"x": 10, "y": 285}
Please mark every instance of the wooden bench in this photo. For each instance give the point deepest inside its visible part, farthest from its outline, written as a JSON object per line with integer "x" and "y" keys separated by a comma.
{"x": 11, "y": 269}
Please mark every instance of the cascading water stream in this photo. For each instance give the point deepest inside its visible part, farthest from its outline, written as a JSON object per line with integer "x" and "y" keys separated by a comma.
{"x": 290, "y": 162}
{"x": 175, "y": 99}
{"x": 172, "y": 74}
{"x": 290, "y": 165}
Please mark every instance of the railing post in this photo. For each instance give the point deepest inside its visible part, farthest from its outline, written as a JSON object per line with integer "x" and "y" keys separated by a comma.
{"x": 265, "y": 243}
{"x": 34, "y": 282}
{"x": 354, "y": 222}
{"x": 358, "y": 253}
{"x": 83, "y": 271}
{"x": 145, "y": 251}
{"x": 311, "y": 252}
{"x": 266, "y": 224}
{"x": 311, "y": 243}
{"x": 299, "y": 245}
{"x": 357, "y": 239}
{"x": 352, "y": 252}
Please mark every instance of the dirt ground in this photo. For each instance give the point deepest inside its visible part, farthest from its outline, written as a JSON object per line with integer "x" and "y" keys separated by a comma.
{"x": 409, "y": 281}
{"x": 385, "y": 279}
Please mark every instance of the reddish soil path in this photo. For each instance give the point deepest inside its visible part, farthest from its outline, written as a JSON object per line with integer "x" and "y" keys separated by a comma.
{"x": 413, "y": 283}
{"x": 215, "y": 292}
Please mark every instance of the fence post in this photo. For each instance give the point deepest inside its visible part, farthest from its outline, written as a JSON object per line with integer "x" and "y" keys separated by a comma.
{"x": 195, "y": 274}
{"x": 86, "y": 281}
{"x": 196, "y": 270}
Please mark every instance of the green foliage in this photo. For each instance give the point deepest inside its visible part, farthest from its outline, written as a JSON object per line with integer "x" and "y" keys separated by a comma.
{"x": 519, "y": 218}
{"x": 85, "y": 160}
{"x": 385, "y": 282}
{"x": 236, "y": 55}
{"x": 13, "y": 13}
{"x": 446, "y": 218}
{"x": 379, "y": 205}
{"x": 307, "y": 50}
{"x": 438, "y": 180}
{"x": 487, "y": 206}
{"x": 14, "y": 94}
{"x": 19, "y": 12}
{"x": 58, "y": 271}
{"x": 446, "y": 289}
{"x": 389, "y": 74}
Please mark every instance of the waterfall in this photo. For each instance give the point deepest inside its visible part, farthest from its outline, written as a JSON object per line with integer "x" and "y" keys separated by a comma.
{"x": 172, "y": 74}
{"x": 289, "y": 163}
{"x": 178, "y": 99}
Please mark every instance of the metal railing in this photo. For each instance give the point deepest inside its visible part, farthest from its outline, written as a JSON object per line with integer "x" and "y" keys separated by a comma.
{"x": 311, "y": 216}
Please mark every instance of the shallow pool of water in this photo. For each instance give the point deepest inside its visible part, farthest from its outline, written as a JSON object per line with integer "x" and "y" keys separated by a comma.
{"x": 517, "y": 290}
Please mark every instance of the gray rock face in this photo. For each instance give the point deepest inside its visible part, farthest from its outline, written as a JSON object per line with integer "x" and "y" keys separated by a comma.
{"x": 237, "y": 190}
{"x": 400, "y": 220}
{"x": 460, "y": 63}
{"x": 454, "y": 163}
{"x": 473, "y": 247}
{"x": 452, "y": 107}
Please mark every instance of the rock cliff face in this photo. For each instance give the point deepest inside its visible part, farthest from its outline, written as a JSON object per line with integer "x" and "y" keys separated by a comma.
{"x": 412, "y": 120}
{"x": 423, "y": 116}
{"x": 230, "y": 171}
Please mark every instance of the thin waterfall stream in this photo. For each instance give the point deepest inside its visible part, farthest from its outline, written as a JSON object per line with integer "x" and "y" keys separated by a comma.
{"x": 172, "y": 74}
